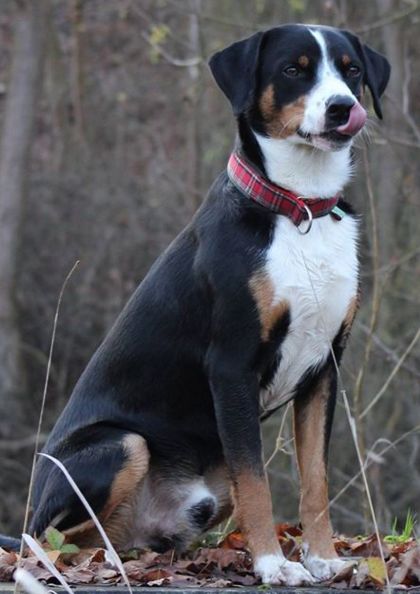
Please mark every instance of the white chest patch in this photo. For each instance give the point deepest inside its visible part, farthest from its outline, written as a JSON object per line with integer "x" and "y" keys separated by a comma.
{"x": 317, "y": 274}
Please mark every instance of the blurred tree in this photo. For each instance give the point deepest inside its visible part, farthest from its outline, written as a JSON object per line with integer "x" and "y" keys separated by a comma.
{"x": 20, "y": 111}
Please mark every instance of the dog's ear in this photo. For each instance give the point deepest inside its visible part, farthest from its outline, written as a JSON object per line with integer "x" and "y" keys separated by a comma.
{"x": 377, "y": 70}
{"x": 235, "y": 70}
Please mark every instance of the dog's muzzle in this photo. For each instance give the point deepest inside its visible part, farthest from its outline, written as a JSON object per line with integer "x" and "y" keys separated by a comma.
{"x": 344, "y": 115}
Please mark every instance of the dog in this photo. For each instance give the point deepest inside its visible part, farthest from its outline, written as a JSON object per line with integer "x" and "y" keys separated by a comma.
{"x": 249, "y": 308}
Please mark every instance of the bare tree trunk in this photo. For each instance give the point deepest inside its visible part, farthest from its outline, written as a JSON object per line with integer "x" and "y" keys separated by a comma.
{"x": 193, "y": 125}
{"x": 390, "y": 178}
{"x": 15, "y": 145}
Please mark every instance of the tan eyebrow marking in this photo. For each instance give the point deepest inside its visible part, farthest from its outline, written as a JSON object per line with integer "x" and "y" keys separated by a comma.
{"x": 303, "y": 61}
{"x": 346, "y": 59}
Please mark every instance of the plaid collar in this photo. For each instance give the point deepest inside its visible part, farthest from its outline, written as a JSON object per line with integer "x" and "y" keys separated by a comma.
{"x": 248, "y": 180}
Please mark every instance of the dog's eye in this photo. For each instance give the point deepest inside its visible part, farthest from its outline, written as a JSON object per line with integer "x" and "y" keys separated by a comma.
{"x": 291, "y": 71}
{"x": 353, "y": 71}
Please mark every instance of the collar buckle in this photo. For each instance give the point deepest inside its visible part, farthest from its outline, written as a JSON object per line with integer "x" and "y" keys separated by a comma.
{"x": 310, "y": 220}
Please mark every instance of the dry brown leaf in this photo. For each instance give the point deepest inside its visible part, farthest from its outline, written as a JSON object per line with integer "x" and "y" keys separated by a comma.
{"x": 53, "y": 555}
{"x": 234, "y": 540}
{"x": 408, "y": 573}
{"x": 77, "y": 575}
{"x": 286, "y": 530}
{"x": 369, "y": 547}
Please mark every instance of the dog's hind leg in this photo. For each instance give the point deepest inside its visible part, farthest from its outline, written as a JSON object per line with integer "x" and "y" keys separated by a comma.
{"x": 313, "y": 418}
{"x": 108, "y": 465}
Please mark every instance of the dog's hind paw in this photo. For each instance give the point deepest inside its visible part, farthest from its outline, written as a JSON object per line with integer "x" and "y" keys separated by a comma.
{"x": 275, "y": 569}
{"x": 323, "y": 569}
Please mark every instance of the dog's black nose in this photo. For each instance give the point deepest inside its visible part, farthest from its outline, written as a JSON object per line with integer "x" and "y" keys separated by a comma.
{"x": 338, "y": 111}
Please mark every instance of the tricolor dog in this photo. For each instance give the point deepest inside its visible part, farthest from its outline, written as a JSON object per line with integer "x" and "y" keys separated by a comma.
{"x": 247, "y": 309}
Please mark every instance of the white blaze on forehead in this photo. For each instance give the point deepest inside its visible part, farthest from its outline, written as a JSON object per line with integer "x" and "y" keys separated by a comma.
{"x": 329, "y": 83}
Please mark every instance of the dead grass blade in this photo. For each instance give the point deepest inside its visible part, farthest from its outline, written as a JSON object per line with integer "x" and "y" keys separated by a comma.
{"x": 28, "y": 582}
{"x": 44, "y": 397}
{"x": 46, "y": 562}
{"x": 113, "y": 555}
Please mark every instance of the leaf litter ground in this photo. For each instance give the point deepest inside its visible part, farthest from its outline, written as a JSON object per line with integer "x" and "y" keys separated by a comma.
{"x": 227, "y": 565}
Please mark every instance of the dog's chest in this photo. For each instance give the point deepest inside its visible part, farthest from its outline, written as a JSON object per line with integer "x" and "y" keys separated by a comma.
{"x": 317, "y": 276}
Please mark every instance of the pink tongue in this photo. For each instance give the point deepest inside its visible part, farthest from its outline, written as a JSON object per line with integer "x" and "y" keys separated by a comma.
{"x": 355, "y": 122}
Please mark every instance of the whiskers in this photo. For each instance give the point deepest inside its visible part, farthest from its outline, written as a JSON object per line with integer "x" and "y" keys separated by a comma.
{"x": 295, "y": 118}
{"x": 367, "y": 134}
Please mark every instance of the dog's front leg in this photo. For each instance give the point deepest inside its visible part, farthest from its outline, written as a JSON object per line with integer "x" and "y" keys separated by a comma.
{"x": 235, "y": 391}
{"x": 313, "y": 418}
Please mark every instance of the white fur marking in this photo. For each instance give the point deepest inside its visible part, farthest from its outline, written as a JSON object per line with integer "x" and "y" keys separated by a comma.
{"x": 302, "y": 169}
{"x": 275, "y": 569}
{"x": 324, "y": 569}
{"x": 329, "y": 83}
{"x": 323, "y": 262}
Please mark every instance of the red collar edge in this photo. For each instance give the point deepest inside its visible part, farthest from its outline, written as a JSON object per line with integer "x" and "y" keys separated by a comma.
{"x": 248, "y": 180}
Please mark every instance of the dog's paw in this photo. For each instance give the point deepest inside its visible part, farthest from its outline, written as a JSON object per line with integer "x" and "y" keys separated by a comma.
{"x": 323, "y": 569}
{"x": 275, "y": 569}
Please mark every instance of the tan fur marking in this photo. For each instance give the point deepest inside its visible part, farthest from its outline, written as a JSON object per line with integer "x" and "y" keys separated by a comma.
{"x": 345, "y": 59}
{"x": 263, "y": 292}
{"x": 133, "y": 471}
{"x": 303, "y": 61}
{"x": 351, "y": 312}
{"x": 253, "y": 510}
{"x": 281, "y": 123}
{"x": 118, "y": 512}
{"x": 309, "y": 423}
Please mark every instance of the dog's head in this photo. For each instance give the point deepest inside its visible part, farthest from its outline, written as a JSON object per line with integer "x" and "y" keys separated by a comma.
{"x": 303, "y": 83}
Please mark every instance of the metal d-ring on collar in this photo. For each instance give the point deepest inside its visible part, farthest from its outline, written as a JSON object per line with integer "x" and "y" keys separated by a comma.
{"x": 310, "y": 219}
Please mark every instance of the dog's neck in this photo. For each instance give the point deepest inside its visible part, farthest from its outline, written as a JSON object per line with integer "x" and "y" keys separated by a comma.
{"x": 305, "y": 171}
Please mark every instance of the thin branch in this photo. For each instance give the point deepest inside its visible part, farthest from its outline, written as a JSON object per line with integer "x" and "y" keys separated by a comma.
{"x": 376, "y": 301}
{"x": 391, "y": 354}
{"x": 387, "y": 20}
{"x": 401, "y": 141}
{"x": 280, "y": 443}
{"x": 388, "y": 268}
{"x": 411, "y": 122}
{"x": 369, "y": 462}
{"x": 168, "y": 57}
{"x": 391, "y": 376}
{"x": 15, "y": 445}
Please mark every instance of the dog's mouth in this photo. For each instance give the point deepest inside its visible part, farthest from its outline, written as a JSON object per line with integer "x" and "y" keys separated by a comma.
{"x": 328, "y": 140}
{"x": 338, "y": 136}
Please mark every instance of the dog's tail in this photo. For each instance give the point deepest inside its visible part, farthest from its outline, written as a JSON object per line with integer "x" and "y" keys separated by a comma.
{"x": 8, "y": 542}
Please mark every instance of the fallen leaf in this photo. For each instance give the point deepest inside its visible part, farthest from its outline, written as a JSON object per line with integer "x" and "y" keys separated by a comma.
{"x": 369, "y": 547}
{"x": 377, "y": 569}
{"x": 53, "y": 555}
{"x": 234, "y": 540}
{"x": 77, "y": 575}
{"x": 287, "y": 530}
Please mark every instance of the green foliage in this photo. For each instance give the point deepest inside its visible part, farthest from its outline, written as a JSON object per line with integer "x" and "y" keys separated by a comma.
{"x": 54, "y": 538}
{"x": 406, "y": 533}
{"x": 56, "y": 542}
{"x": 157, "y": 37}
{"x": 298, "y": 6}
{"x": 259, "y": 6}
{"x": 158, "y": 34}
